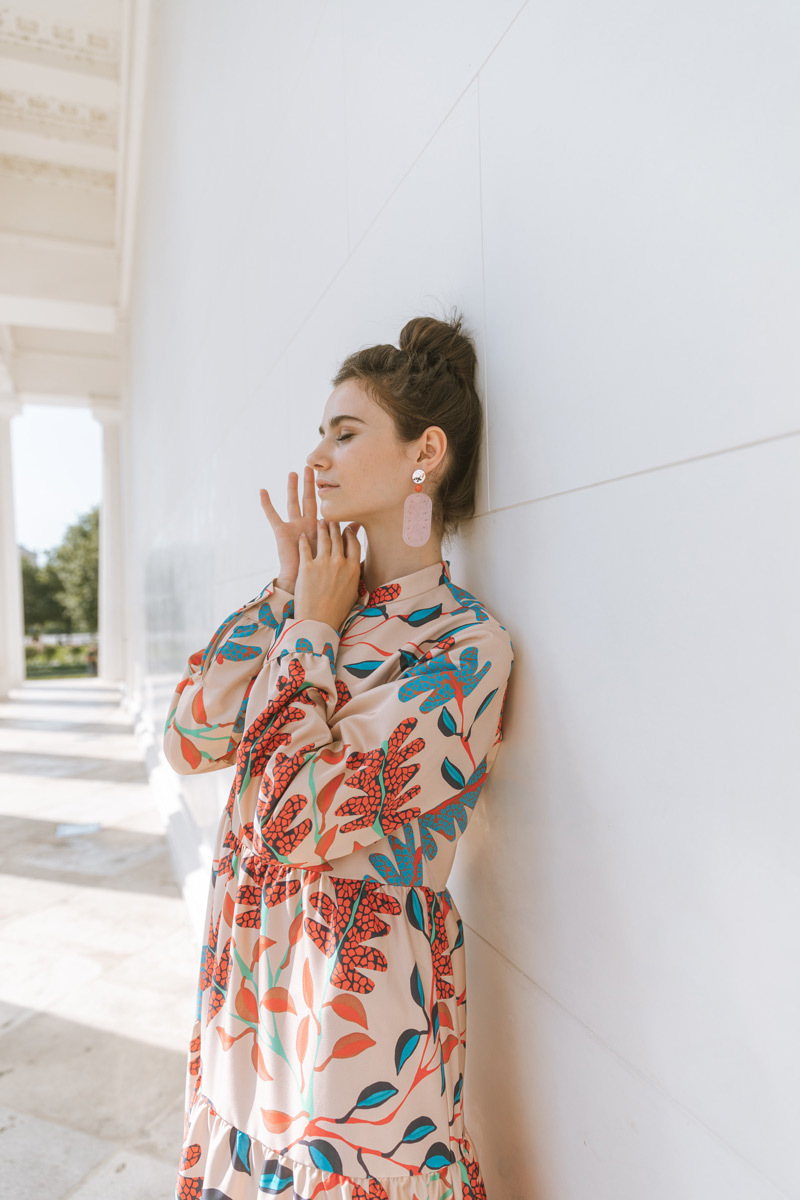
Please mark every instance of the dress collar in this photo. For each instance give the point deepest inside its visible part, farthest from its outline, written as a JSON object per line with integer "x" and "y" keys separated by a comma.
{"x": 405, "y": 586}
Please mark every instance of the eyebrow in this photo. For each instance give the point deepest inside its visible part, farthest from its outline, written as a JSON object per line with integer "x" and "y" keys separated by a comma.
{"x": 338, "y": 420}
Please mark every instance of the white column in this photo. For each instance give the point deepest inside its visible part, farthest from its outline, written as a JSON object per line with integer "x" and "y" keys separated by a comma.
{"x": 12, "y": 625}
{"x": 111, "y": 597}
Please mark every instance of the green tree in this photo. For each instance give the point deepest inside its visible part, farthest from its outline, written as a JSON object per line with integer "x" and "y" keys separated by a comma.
{"x": 42, "y": 608}
{"x": 75, "y": 562}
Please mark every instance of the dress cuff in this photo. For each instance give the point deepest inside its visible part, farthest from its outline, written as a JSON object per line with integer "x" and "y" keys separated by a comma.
{"x": 304, "y": 636}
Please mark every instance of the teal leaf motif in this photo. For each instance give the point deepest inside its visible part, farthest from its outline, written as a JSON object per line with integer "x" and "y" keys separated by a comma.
{"x": 324, "y": 1156}
{"x": 275, "y": 1178}
{"x": 240, "y": 1150}
{"x": 446, "y": 723}
{"x": 406, "y": 1045}
{"x": 414, "y": 911}
{"x": 484, "y": 704}
{"x": 422, "y": 616}
{"x": 438, "y": 1156}
{"x": 417, "y": 994}
{"x": 362, "y": 669}
{"x": 452, "y": 775}
{"x": 375, "y": 1095}
{"x": 419, "y": 1129}
{"x": 237, "y": 652}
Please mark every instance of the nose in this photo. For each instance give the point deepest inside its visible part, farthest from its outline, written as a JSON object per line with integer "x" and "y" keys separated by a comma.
{"x": 316, "y": 459}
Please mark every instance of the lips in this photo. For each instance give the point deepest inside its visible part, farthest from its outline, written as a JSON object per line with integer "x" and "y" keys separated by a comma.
{"x": 323, "y": 487}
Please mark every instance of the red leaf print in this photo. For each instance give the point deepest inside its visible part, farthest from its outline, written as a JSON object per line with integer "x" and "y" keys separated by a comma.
{"x": 325, "y": 797}
{"x": 332, "y": 756}
{"x": 450, "y": 1043}
{"x": 275, "y": 1120}
{"x": 352, "y": 1044}
{"x": 227, "y": 909}
{"x": 350, "y": 1008}
{"x": 308, "y": 985}
{"x": 302, "y": 1038}
{"x": 190, "y": 751}
{"x": 325, "y": 842}
{"x": 261, "y": 945}
{"x": 444, "y": 1015}
{"x": 199, "y": 708}
{"x": 257, "y": 1059}
{"x": 278, "y": 999}
{"x": 225, "y": 1038}
{"x": 246, "y": 1003}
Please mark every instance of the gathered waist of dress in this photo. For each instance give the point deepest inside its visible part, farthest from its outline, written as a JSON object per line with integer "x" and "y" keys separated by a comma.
{"x": 265, "y": 868}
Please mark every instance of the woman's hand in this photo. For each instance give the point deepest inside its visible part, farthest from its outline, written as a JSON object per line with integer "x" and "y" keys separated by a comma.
{"x": 327, "y": 583}
{"x": 287, "y": 532}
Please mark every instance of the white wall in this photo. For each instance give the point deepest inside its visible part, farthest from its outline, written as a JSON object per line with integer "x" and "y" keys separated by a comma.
{"x": 610, "y": 195}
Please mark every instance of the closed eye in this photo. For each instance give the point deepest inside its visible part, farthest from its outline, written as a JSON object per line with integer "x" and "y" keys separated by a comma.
{"x": 343, "y": 437}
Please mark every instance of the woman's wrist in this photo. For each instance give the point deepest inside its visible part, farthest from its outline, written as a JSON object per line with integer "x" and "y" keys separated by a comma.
{"x": 286, "y": 585}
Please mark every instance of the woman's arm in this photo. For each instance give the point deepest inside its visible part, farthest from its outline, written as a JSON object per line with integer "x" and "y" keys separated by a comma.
{"x": 328, "y": 786}
{"x": 206, "y": 713}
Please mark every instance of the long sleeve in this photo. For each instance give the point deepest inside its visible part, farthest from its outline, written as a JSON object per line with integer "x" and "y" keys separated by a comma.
{"x": 326, "y": 784}
{"x": 206, "y": 713}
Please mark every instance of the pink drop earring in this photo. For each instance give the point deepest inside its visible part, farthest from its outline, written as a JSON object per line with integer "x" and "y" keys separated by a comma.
{"x": 417, "y": 513}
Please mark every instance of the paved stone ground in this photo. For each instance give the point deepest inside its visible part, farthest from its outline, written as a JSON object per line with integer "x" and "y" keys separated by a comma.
{"x": 97, "y": 964}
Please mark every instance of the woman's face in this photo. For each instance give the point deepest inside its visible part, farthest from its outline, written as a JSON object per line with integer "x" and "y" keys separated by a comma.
{"x": 363, "y": 471}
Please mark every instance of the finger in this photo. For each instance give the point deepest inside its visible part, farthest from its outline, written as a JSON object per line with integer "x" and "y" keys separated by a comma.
{"x": 323, "y": 540}
{"x": 304, "y": 548}
{"x": 337, "y": 548}
{"x": 352, "y": 546}
{"x": 272, "y": 515}
{"x": 309, "y": 495}
{"x": 292, "y": 503}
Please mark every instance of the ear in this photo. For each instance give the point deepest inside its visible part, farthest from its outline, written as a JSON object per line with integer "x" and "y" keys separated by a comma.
{"x": 430, "y": 449}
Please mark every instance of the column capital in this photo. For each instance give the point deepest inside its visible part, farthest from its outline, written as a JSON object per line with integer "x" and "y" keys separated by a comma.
{"x": 10, "y": 406}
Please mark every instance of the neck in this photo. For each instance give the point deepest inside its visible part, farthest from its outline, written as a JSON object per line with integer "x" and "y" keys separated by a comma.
{"x": 388, "y": 557}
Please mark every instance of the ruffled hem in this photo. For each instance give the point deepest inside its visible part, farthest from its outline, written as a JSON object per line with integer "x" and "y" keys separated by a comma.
{"x": 221, "y": 1162}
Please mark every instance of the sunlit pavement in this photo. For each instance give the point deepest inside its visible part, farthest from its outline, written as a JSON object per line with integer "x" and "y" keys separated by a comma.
{"x": 97, "y": 965}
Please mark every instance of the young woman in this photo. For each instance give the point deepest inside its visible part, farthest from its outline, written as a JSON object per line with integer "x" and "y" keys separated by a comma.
{"x": 361, "y": 704}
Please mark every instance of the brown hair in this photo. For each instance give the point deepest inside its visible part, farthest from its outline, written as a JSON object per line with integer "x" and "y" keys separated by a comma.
{"x": 430, "y": 380}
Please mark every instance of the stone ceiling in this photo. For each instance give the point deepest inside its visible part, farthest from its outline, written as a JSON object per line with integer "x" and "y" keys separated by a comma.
{"x": 71, "y": 87}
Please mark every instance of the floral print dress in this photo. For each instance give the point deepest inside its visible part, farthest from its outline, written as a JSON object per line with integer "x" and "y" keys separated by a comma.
{"x": 329, "y": 1048}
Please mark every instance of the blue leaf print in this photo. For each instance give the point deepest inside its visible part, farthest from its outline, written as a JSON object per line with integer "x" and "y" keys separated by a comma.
{"x": 275, "y": 1178}
{"x": 375, "y": 1095}
{"x": 440, "y": 679}
{"x": 451, "y": 814}
{"x": 414, "y": 911}
{"x": 452, "y": 775}
{"x": 446, "y": 723}
{"x": 484, "y": 704}
{"x": 386, "y": 868}
{"x": 240, "y": 1150}
{"x": 406, "y": 1044}
{"x": 422, "y": 616}
{"x": 362, "y": 669}
{"x": 419, "y": 1129}
{"x": 467, "y": 600}
{"x": 324, "y": 1156}
{"x": 416, "y": 988}
{"x": 438, "y": 1156}
{"x": 373, "y": 610}
{"x": 237, "y": 652}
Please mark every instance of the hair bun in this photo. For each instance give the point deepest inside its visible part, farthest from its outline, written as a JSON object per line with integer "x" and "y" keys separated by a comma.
{"x": 433, "y": 338}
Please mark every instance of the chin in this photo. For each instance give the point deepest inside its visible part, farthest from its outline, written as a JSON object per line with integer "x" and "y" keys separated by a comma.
{"x": 331, "y": 510}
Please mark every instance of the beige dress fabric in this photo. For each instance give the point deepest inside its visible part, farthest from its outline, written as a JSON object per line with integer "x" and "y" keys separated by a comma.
{"x": 329, "y": 1048}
